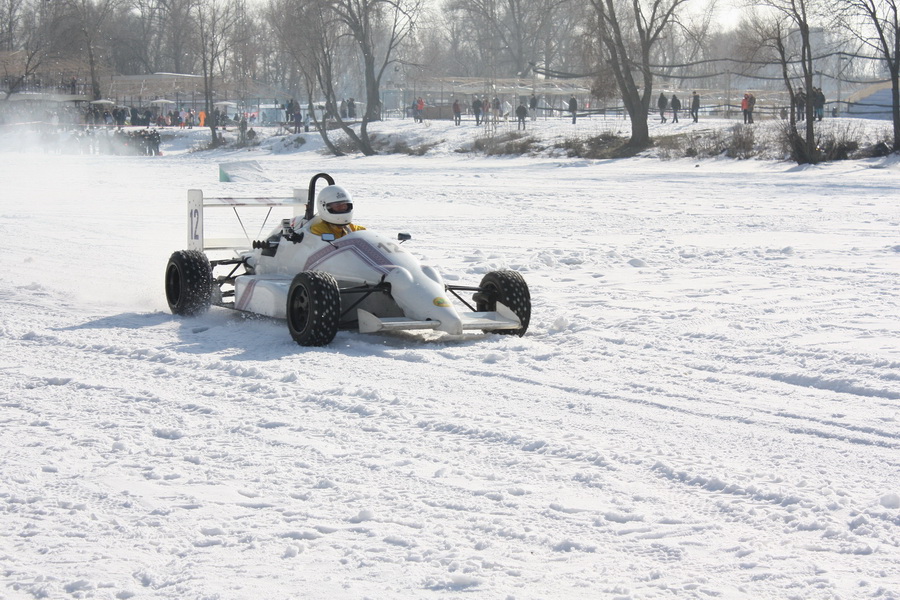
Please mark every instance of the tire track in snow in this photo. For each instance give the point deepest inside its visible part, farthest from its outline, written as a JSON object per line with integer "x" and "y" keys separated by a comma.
{"x": 453, "y": 455}
{"x": 556, "y": 528}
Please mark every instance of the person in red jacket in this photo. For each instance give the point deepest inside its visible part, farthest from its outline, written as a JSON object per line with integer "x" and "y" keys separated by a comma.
{"x": 747, "y": 103}
{"x": 420, "y": 109}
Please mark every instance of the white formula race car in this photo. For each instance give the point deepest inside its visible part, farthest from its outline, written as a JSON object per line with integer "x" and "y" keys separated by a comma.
{"x": 319, "y": 284}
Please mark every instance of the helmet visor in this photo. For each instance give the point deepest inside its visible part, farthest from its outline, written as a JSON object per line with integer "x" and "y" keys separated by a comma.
{"x": 339, "y": 208}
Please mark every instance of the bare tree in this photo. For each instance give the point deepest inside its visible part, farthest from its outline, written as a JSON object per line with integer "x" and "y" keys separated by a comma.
{"x": 247, "y": 47}
{"x": 309, "y": 37}
{"x": 770, "y": 42}
{"x": 216, "y": 21}
{"x": 138, "y": 32}
{"x": 876, "y": 23}
{"x": 628, "y": 33}
{"x": 510, "y": 35}
{"x": 11, "y": 14}
{"x": 327, "y": 31}
{"x": 379, "y": 27}
{"x": 37, "y": 39}
{"x": 560, "y": 36}
{"x": 180, "y": 26}
{"x": 790, "y": 22}
{"x": 89, "y": 18}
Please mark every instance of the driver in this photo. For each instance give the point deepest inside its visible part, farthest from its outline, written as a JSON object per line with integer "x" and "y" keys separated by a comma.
{"x": 335, "y": 212}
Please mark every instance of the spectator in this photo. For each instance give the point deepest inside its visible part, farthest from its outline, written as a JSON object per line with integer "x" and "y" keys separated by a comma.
{"x": 662, "y": 103}
{"x": 457, "y": 112}
{"x": 573, "y": 108}
{"x": 801, "y": 105}
{"x": 521, "y": 113}
{"x": 695, "y": 106}
{"x": 675, "y": 103}
{"x": 819, "y": 103}
{"x": 420, "y": 109}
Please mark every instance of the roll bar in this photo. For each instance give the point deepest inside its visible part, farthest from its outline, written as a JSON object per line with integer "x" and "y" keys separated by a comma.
{"x": 311, "y": 199}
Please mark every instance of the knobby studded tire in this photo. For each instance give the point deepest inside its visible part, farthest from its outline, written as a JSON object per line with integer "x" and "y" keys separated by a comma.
{"x": 510, "y": 289}
{"x": 313, "y": 308}
{"x": 189, "y": 282}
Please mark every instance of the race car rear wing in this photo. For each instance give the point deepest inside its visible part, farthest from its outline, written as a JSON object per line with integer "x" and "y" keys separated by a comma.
{"x": 197, "y": 203}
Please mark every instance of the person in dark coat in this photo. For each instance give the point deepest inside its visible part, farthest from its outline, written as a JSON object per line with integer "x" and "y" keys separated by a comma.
{"x": 573, "y": 108}
{"x": 521, "y": 113}
{"x": 818, "y": 104}
{"x": 695, "y": 106}
{"x": 662, "y": 103}
{"x": 457, "y": 113}
{"x": 675, "y": 103}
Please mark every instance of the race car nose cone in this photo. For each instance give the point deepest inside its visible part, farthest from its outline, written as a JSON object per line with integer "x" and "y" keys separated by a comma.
{"x": 423, "y": 299}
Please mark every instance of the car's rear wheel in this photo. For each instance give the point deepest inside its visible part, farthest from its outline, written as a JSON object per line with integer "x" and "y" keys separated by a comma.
{"x": 189, "y": 282}
{"x": 510, "y": 289}
{"x": 313, "y": 308}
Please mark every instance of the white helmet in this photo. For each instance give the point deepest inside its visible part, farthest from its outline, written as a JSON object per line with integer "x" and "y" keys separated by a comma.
{"x": 335, "y": 195}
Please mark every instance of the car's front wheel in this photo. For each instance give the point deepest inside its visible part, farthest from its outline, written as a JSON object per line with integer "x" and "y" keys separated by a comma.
{"x": 313, "y": 308}
{"x": 189, "y": 282}
{"x": 508, "y": 288}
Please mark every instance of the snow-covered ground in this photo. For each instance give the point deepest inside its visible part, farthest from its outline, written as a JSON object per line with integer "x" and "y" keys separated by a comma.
{"x": 706, "y": 405}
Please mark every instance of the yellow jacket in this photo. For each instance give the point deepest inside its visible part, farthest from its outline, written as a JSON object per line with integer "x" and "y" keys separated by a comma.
{"x": 338, "y": 231}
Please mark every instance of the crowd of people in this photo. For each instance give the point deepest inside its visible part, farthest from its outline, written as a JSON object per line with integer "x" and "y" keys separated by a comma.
{"x": 818, "y": 104}
{"x": 99, "y": 127}
{"x": 486, "y": 110}
{"x": 140, "y": 142}
{"x": 673, "y": 104}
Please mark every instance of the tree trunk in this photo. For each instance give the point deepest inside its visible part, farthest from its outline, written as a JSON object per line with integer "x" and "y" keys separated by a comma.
{"x": 637, "y": 113}
{"x": 92, "y": 64}
{"x": 207, "y": 95}
{"x": 320, "y": 127}
{"x": 895, "y": 109}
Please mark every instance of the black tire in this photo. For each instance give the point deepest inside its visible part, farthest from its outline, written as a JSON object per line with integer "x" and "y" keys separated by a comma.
{"x": 189, "y": 282}
{"x": 313, "y": 308}
{"x": 510, "y": 289}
